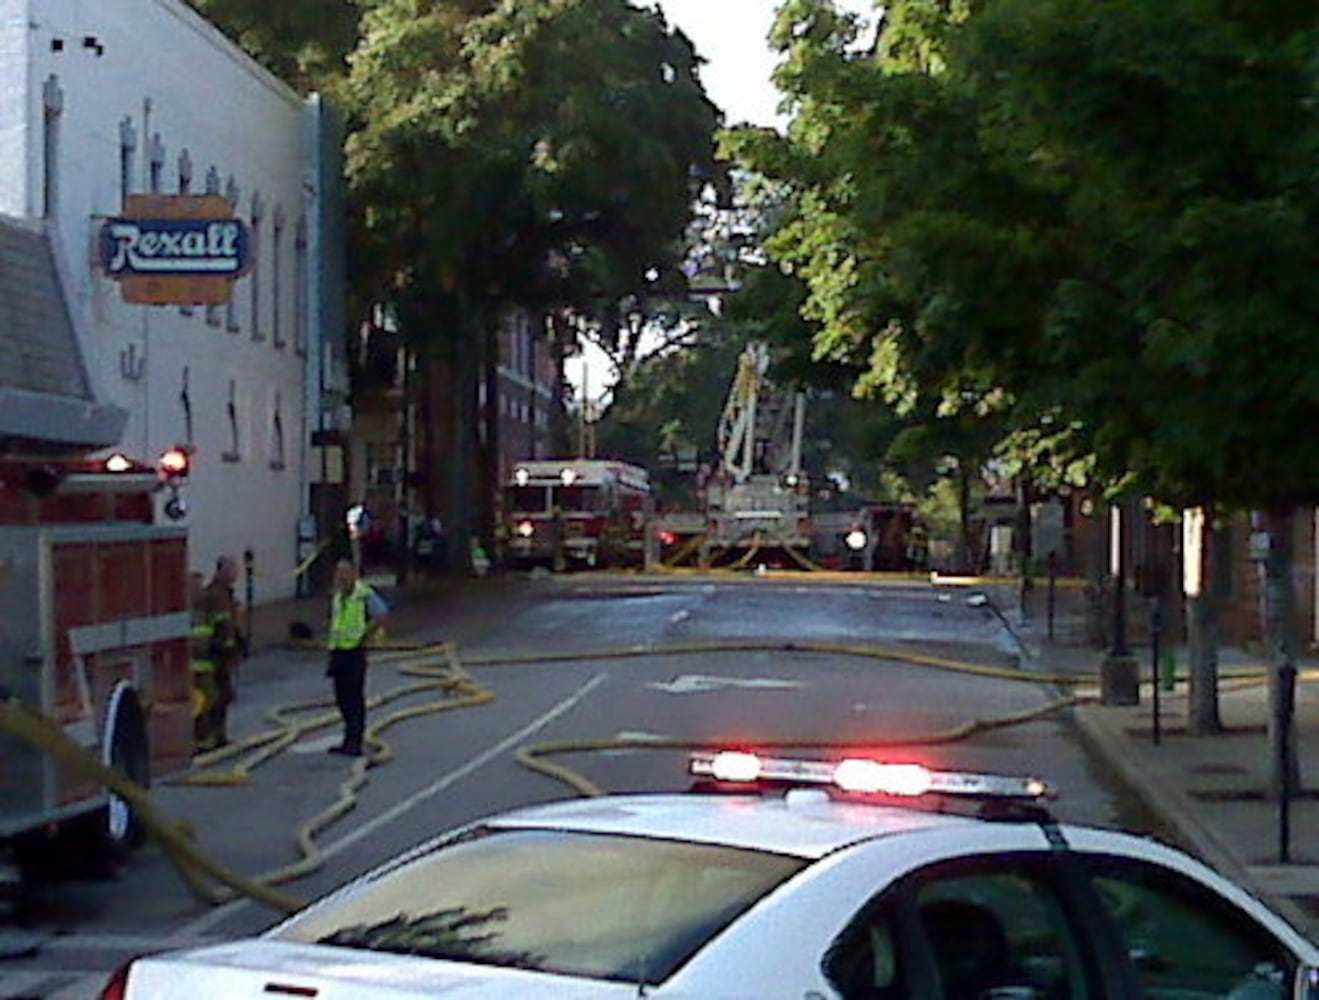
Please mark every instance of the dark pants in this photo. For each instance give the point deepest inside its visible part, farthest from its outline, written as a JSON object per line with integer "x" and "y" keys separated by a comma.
{"x": 348, "y": 671}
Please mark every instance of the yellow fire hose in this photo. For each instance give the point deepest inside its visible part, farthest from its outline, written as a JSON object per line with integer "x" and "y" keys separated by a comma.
{"x": 439, "y": 670}
{"x": 177, "y": 843}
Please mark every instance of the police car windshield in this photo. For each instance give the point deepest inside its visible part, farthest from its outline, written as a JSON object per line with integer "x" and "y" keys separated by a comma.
{"x": 600, "y": 906}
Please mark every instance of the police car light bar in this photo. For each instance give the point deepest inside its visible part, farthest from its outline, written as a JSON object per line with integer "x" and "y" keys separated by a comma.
{"x": 864, "y": 776}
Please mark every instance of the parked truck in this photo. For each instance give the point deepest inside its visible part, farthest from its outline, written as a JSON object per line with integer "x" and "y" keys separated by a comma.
{"x": 94, "y": 634}
{"x": 759, "y": 495}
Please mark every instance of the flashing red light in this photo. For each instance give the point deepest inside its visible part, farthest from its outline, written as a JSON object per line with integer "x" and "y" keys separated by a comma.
{"x": 668, "y": 537}
{"x": 175, "y": 463}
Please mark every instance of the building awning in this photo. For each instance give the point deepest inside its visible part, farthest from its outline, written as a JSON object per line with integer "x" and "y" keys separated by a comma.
{"x": 46, "y": 399}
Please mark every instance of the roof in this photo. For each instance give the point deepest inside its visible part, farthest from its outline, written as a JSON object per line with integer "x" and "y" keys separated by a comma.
{"x": 46, "y": 398}
{"x": 804, "y": 824}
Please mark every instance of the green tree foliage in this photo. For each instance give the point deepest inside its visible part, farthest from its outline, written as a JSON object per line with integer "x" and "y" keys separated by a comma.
{"x": 303, "y": 42}
{"x": 540, "y": 153}
{"x": 1104, "y": 215}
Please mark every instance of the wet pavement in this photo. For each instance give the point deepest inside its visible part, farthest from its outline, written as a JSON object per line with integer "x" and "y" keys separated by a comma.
{"x": 1209, "y": 793}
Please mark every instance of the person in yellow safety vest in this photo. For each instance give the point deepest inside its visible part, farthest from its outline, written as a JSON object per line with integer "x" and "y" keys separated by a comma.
{"x": 357, "y": 615}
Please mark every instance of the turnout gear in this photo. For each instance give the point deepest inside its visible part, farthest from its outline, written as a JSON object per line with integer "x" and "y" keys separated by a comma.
{"x": 217, "y": 647}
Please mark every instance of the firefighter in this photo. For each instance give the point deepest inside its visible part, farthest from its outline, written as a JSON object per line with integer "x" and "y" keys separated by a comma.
{"x": 217, "y": 646}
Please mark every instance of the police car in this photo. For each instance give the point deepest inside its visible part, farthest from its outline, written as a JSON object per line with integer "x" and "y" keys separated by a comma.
{"x": 780, "y": 877}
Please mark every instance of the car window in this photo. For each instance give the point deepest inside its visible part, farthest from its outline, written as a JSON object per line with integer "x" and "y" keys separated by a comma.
{"x": 607, "y": 907}
{"x": 1188, "y": 943}
{"x": 1001, "y": 933}
{"x": 996, "y": 932}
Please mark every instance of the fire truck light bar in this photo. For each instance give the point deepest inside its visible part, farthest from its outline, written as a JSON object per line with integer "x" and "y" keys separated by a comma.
{"x": 865, "y": 776}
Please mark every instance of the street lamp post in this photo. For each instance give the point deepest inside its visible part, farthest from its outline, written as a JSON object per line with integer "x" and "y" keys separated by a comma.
{"x": 1119, "y": 676}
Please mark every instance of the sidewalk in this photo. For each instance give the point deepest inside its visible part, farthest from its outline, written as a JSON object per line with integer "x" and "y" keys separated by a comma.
{"x": 1210, "y": 792}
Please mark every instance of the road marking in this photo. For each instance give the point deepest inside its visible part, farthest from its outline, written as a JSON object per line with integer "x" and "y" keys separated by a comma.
{"x": 205, "y": 922}
{"x": 700, "y": 683}
{"x": 628, "y": 736}
{"x": 319, "y": 744}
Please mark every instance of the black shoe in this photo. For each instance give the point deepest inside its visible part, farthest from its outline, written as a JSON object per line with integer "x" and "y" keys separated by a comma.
{"x": 346, "y": 751}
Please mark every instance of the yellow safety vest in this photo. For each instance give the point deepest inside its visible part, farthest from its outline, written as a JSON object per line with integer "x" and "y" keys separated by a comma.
{"x": 201, "y": 636}
{"x": 348, "y": 617}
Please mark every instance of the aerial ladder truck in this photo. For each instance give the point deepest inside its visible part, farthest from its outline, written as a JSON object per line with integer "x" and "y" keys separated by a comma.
{"x": 758, "y": 497}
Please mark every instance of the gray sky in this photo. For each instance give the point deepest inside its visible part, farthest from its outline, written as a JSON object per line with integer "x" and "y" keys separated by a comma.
{"x": 731, "y": 35}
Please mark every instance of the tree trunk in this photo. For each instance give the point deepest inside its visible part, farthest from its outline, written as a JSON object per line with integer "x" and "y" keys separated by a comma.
{"x": 1202, "y": 622}
{"x": 964, "y": 519}
{"x": 1280, "y": 633}
{"x": 488, "y": 465}
{"x": 462, "y": 473}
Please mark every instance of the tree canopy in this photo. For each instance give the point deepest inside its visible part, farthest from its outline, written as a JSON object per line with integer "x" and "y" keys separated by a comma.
{"x": 1103, "y": 215}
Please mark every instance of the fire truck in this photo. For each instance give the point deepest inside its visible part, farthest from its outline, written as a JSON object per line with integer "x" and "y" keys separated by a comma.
{"x": 576, "y": 513}
{"x": 94, "y": 624}
{"x": 759, "y": 496}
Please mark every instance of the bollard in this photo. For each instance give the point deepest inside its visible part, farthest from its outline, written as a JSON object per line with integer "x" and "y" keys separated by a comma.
{"x": 1119, "y": 680}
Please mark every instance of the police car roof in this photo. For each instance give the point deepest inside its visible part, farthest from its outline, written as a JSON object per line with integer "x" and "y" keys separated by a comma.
{"x": 805, "y": 823}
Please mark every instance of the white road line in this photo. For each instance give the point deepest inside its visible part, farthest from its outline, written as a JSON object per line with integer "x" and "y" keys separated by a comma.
{"x": 205, "y": 922}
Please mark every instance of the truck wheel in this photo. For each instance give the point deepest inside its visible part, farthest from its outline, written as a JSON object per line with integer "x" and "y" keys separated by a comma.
{"x": 96, "y": 843}
{"x": 127, "y": 752}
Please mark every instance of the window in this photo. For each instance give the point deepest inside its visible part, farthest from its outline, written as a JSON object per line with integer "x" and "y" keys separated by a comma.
{"x": 233, "y": 454}
{"x": 230, "y": 308}
{"x": 254, "y": 276}
{"x": 627, "y": 909}
{"x": 301, "y": 280}
{"x": 127, "y": 146}
{"x": 972, "y": 931}
{"x": 155, "y": 163}
{"x": 1187, "y": 943}
{"x": 212, "y": 187}
{"x": 277, "y": 434}
{"x": 185, "y": 404}
{"x": 52, "y": 96}
{"x": 184, "y": 169}
{"x": 277, "y": 223}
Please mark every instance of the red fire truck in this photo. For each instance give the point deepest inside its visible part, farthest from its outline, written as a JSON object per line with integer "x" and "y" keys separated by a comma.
{"x": 576, "y": 513}
{"x": 94, "y": 625}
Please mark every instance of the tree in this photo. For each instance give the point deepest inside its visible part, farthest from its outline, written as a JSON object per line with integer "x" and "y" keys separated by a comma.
{"x": 303, "y": 42}
{"x": 1102, "y": 213}
{"x": 540, "y": 153}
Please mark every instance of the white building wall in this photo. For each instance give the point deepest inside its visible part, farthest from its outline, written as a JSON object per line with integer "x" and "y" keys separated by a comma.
{"x": 13, "y": 113}
{"x": 155, "y": 71}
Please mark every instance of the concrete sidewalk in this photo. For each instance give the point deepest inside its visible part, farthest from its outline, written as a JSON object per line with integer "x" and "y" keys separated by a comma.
{"x": 1210, "y": 792}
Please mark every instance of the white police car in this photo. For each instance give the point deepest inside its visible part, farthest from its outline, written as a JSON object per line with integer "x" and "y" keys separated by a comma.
{"x": 799, "y": 879}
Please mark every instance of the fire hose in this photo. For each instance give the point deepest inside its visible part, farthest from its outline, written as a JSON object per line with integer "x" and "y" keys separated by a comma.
{"x": 438, "y": 669}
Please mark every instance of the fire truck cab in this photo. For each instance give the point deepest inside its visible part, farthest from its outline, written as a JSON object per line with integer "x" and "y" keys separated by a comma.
{"x": 94, "y": 624}
{"x": 576, "y": 513}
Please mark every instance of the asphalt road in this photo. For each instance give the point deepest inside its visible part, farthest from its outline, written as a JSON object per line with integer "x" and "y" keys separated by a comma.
{"x": 592, "y": 659}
